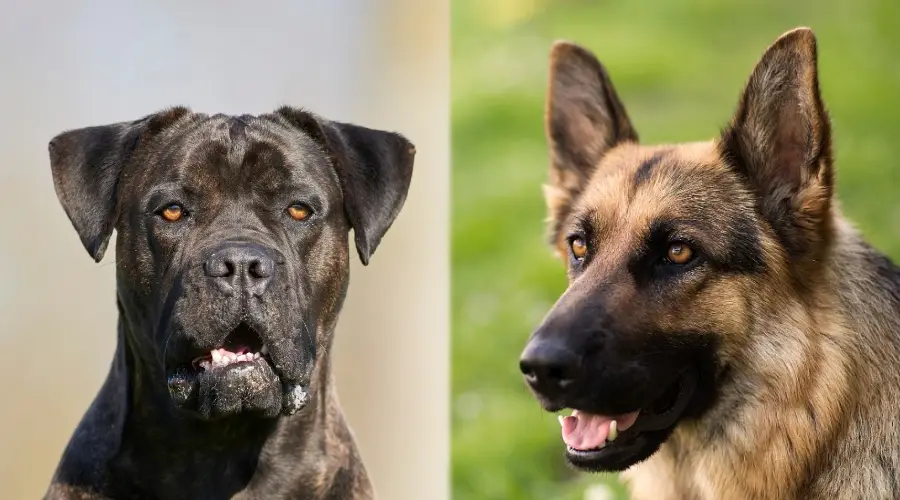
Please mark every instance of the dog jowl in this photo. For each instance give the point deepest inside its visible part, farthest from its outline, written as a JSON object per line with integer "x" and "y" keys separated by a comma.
{"x": 712, "y": 324}
{"x": 232, "y": 263}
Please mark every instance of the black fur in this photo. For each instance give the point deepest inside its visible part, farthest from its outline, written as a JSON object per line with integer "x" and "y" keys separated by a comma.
{"x": 646, "y": 168}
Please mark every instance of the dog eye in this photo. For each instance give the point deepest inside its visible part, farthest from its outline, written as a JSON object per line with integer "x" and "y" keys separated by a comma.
{"x": 579, "y": 248}
{"x": 679, "y": 253}
{"x": 299, "y": 211}
{"x": 172, "y": 212}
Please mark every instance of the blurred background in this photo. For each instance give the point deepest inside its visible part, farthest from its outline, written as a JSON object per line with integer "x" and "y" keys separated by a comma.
{"x": 679, "y": 67}
{"x": 72, "y": 64}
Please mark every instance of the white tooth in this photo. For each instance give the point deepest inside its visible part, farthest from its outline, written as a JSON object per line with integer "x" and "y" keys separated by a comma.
{"x": 204, "y": 365}
{"x": 256, "y": 355}
{"x": 215, "y": 355}
{"x": 561, "y": 419}
{"x": 265, "y": 349}
{"x": 613, "y": 431}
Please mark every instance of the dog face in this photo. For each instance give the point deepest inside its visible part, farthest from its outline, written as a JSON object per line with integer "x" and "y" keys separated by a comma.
{"x": 672, "y": 250}
{"x": 232, "y": 252}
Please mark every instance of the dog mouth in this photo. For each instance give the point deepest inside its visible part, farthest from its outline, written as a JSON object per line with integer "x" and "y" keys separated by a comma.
{"x": 590, "y": 438}
{"x": 242, "y": 345}
{"x": 239, "y": 375}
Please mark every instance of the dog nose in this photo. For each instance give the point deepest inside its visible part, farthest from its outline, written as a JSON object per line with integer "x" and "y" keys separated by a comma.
{"x": 549, "y": 368}
{"x": 241, "y": 265}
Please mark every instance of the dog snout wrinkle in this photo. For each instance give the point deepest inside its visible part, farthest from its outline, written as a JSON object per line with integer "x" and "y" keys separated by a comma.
{"x": 549, "y": 367}
{"x": 242, "y": 266}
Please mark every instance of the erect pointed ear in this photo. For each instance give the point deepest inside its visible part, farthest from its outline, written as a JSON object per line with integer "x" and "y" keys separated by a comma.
{"x": 780, "y": 140}
{"x": 86, "y": 164}
{"x": 374, "y": 168}
{"x": 584, "y": 119}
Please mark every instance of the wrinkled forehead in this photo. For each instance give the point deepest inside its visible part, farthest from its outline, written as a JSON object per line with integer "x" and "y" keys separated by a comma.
{"x": 224, "y": 153}
{"x": 638, "y": 187}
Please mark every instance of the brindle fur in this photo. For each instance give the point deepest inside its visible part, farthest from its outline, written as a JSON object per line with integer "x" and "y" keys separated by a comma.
{"x": 236, "y": 176}
{"x": 805, "y": 315}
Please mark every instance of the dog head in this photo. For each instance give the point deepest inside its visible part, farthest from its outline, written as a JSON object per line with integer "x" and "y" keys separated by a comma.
{"x": 232, "y": 249}
{"x": 671, "y": 249}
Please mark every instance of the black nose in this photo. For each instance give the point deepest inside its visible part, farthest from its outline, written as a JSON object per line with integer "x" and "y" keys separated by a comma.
{"x": 549, "y": 367}
{"x": 241, "y": 266}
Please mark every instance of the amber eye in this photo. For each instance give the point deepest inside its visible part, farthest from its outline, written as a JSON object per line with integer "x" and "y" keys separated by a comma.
{"x": 679, "y": 253}
{"x": 579, "y": 248}
{"x": 172, "y": 212}
{"x": 299, "y": 212}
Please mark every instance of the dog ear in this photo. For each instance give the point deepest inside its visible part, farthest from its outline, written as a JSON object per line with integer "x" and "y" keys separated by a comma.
{"x": 374, "y": 168}
{"x": 780, "y": 140}
{"x": 86, "y": 164}
{"x": 584, "y": 119}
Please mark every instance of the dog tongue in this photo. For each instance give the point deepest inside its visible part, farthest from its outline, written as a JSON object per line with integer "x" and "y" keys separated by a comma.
{"x": 585, "y": 431}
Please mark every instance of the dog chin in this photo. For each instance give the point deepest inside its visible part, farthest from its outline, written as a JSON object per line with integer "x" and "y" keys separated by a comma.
{"x": 244, "y": 387}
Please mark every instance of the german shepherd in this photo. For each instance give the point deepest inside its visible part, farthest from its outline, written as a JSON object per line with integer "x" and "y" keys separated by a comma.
{"x": 726, "y": 334}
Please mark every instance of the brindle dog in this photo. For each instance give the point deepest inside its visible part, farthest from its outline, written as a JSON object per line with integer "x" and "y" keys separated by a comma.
{"x": 726, "y": 334}
{"x": 232, "y": 264}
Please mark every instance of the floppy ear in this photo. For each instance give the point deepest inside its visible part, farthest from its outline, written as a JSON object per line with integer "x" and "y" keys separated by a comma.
{"x": 374, "y": 168}
{"x": 584, "y": 119}
{"x": 86, "y": 164}
{"x": 780, "y": 140}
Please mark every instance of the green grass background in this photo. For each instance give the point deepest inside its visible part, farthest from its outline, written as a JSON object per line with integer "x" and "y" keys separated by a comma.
{"x": 679, "y": 66}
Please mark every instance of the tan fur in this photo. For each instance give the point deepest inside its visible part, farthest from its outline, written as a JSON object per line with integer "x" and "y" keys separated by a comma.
{"x": 813, "y": 341}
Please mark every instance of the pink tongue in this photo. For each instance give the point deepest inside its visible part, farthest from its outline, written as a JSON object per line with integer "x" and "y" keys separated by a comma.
{"x": 584, "y": 431}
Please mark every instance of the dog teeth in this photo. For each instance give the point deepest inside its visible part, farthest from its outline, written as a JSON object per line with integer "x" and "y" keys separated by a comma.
{"x": 613, "y": 431}
{"x": 265, "y": 349}
{"x": 561, "y": 419}
{"x": 221, "y": 357}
